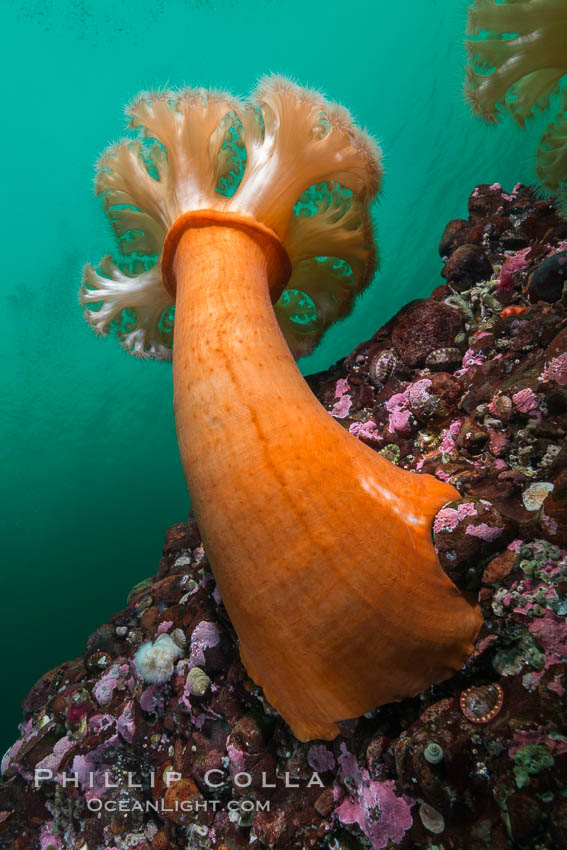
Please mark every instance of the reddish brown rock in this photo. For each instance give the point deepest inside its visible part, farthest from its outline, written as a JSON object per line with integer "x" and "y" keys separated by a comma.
{"x": 179, "y": 800}
{"x": 423, "y": 327}
{"x": 455, "y": 234}
{"x": 324, "y": 803}
{"x": 558, "y": 345}
{"x": 484, "y": 381}
{"x": 499, "y": 567}
{"x": 438, "y": 727}
{"x": 472, "y": 436}
{"x": 556, "y": 400}
{"x": 51, "y": 682}
{"x": 525, "y": 818}
{"x": 268, "y": 826}
{"x": 489, "y": 229}
{"x": 160, "y": 841}
{"x": 544, "y": 223}
{"x": 558, "y": 825}
{"x": 485, "y": 201}
{"x": 464, "y": 532}
{"x": 467, "y": 265}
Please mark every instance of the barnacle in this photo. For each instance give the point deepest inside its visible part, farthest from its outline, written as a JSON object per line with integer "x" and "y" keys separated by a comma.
{"x": 518, "y": 57}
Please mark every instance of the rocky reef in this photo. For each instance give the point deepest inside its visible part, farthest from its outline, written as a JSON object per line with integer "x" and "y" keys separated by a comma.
{"x": 156, "y": 738}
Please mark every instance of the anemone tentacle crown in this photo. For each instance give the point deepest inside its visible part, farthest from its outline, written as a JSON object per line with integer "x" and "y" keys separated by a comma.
{"x": 278, "y": 157}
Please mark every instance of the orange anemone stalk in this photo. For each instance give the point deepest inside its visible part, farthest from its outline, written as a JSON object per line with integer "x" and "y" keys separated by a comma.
{"x": 320, "y": 547}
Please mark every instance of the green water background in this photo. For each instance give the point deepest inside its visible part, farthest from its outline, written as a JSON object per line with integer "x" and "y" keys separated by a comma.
{"x": 90, "y": 471}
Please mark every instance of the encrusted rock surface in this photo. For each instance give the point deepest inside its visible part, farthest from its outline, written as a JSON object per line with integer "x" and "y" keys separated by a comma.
{"x": 469, "y": 385}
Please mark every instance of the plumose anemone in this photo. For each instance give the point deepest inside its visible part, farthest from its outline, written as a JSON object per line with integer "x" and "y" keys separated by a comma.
{"x": 320, "y": 547}
{"x": 518, "y": 57}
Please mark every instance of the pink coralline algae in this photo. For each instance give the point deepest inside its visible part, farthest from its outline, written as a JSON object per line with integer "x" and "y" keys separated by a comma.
{"x": 470, "y": 358}
{"x": 341, "y": 387}
{"x": 125, "y": 723}
{"x": 526, "y": 401}
{"x": 551, "y": 632}
{"x": 448, "y": 437}
{"x": 556, "y": 370}
{"x": 365, "y": 429}
{"x": 484, "y": 531}
{"x": 515, "y": 263}
{"x": 341, "y": 408}
{"x": 320, "y": 759}
{"x": 399, "y": 421}
{"x": 511, "y": 197}
{"x": 498, "y": 442}
{"x": 100, "y": 723}
{"x": 381, "y": 815}
{"x": 557, "y": 686}
{"x": 237, "y": 759}
{"x": 418, "y": 390}
{"x": 548, "y": 522}
{"x": 47, "y": 838}
{"x": 204, "y": 636}
{"x": 93, "y": 773}
{"x": 448, "y": 518}
{"x": 104, "y": 688}
{"x": 151, "y": 698}
{"x": 54, "y": 759}
{"x": 9, "y": 758}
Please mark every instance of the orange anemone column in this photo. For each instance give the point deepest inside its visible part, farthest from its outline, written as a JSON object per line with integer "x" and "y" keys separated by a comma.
{"x": 321, "y": 548}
